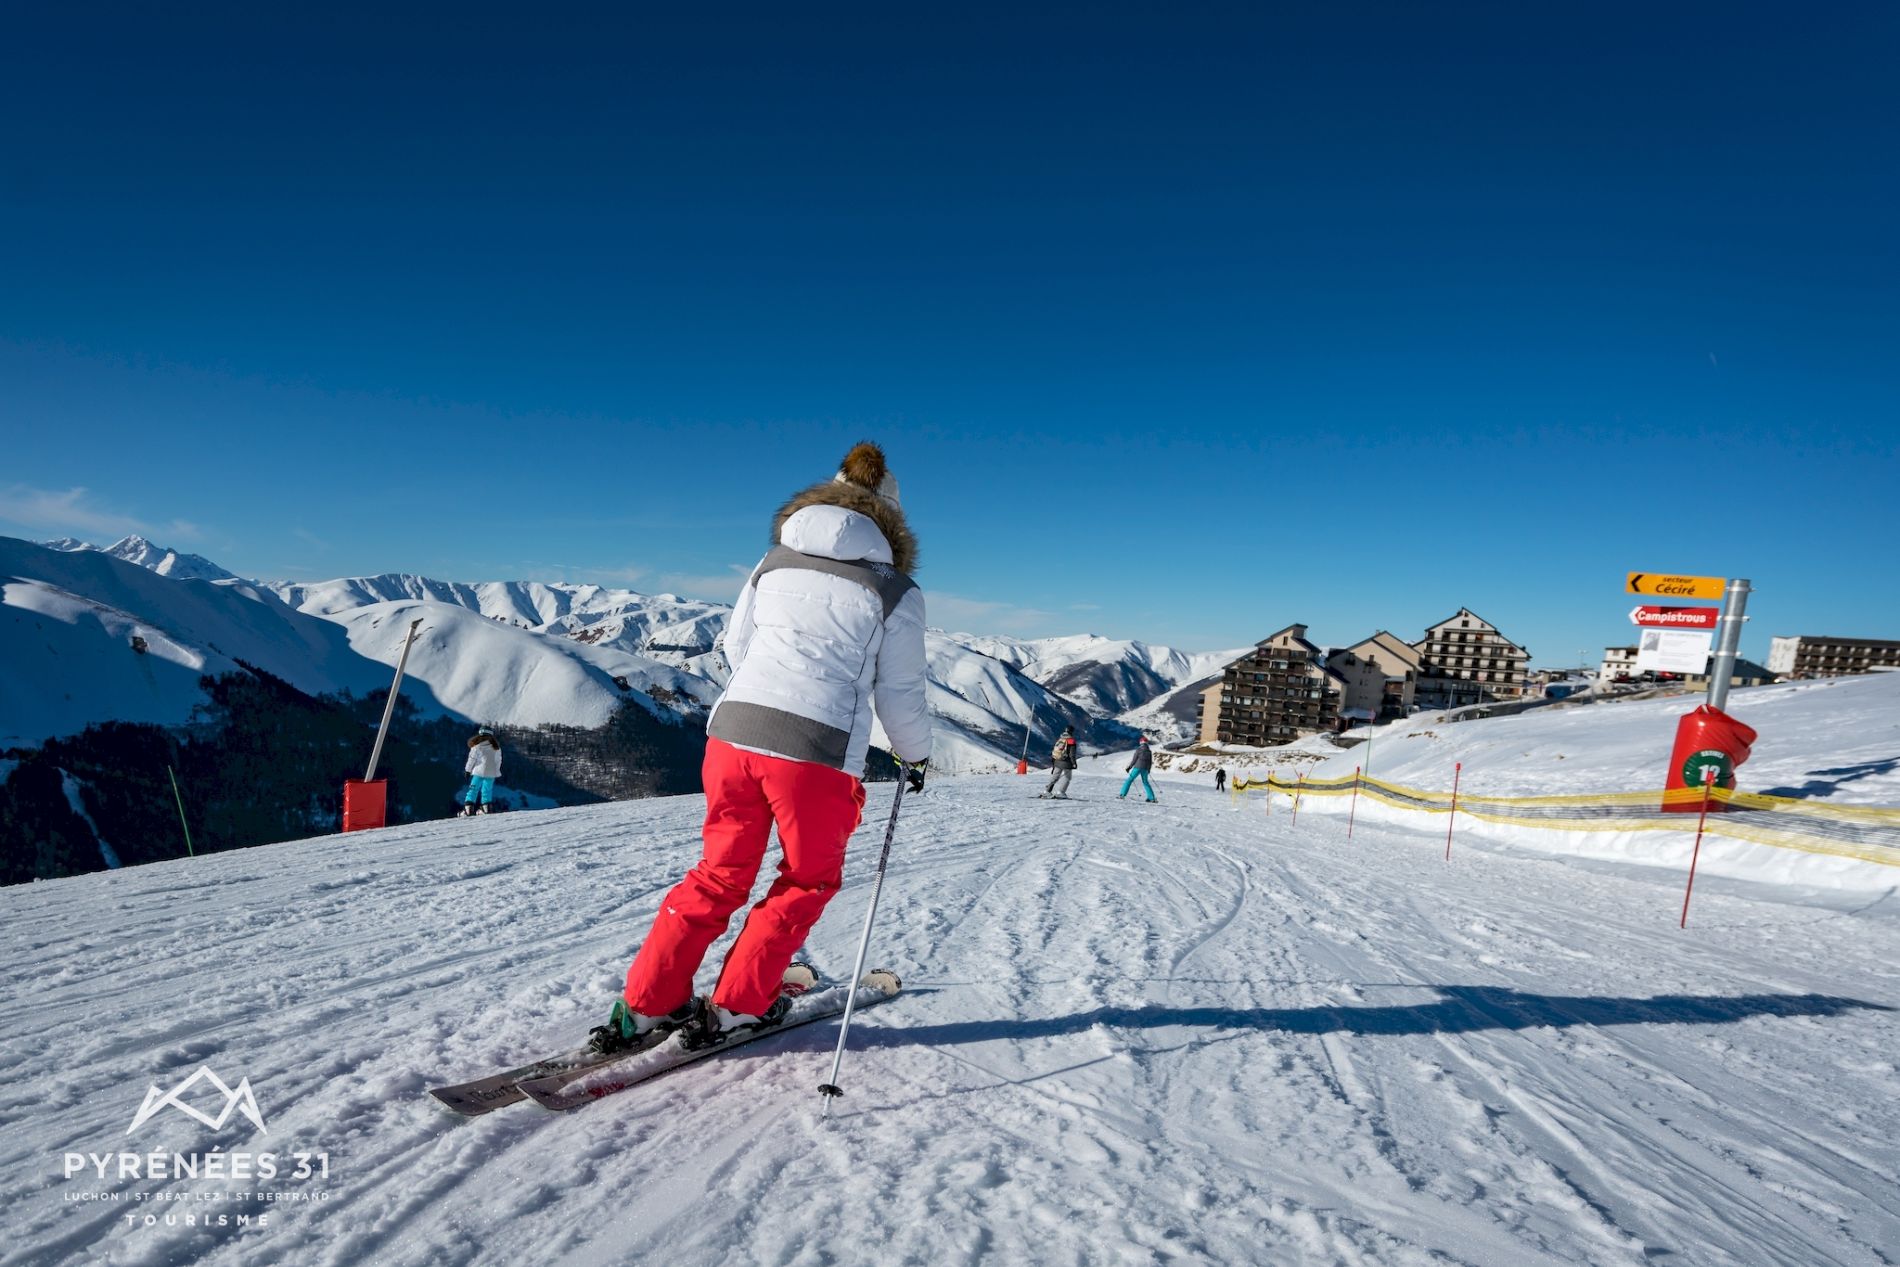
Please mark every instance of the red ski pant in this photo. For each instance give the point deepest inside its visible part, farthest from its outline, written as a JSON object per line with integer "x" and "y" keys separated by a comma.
{"x": 816, "y": 808}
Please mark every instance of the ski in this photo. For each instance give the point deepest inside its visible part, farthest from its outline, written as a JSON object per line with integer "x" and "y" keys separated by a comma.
{"x": 485, "y": 1095}
{"x": 569, "y": 1089}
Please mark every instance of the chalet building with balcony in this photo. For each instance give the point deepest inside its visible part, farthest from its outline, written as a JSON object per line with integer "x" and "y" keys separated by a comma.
{"x": 1746, "y": 673}
{"x": 1399, "y": 663}
{"x": 1280, "y": 691}
{"x": 1361, "y": 685}
{"x": 1464, "y": 659}
{"x": 1808, "y": 656}
{"x": 1618, "y": 662}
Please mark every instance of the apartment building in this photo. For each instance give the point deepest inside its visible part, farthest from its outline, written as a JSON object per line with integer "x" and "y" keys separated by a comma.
{"x": 1808, "y": 656}
{"x": 1280, "y": 691}
{"x": 1465, "y": 659}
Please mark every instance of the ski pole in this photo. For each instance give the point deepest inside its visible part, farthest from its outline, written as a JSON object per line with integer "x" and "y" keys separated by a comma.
{"x": 831, "y": 1090}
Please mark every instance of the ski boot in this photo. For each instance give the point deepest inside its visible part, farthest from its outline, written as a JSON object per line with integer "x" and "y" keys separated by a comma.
{"x": 716, "y": 1024}
{"x": 626, "y": 1028}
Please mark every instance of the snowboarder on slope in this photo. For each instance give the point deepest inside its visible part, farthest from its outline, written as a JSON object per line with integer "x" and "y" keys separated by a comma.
{"x": 1061, "y": 767}
{"x": 483, "y": 767}
{"x": 1220, "y": 778}
{"x": 829, "y": 623}
{"x": 1138, "y": 766}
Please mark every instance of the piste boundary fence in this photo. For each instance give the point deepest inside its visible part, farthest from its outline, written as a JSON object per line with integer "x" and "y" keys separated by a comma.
{"x": 1869, "y": 833}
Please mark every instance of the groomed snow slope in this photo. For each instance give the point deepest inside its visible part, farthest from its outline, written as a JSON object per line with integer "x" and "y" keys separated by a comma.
{"x": 1130, "y": 1034}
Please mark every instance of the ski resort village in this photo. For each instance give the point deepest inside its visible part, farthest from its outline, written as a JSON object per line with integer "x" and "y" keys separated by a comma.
{"x": 966, "y": 636}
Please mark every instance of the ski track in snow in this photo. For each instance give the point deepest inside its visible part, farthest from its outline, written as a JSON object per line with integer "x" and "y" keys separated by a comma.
{"x": 1129, "y": 1034}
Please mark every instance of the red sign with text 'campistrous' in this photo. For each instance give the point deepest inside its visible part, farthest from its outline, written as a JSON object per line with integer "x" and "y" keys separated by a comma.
{"x": 1675, "y": 617}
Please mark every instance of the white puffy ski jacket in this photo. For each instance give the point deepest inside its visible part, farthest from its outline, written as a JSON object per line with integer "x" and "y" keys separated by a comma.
{"x": 825, "y": 626}
{"x": 484, "y": 761}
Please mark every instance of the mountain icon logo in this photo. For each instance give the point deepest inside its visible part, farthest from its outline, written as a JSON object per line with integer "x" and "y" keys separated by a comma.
{"x": 236, "y": 1100}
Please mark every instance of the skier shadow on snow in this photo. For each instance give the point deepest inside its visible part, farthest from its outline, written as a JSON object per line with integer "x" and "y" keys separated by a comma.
{"x": 1843, "y": 775}
{"x": 1463, "y": 1009}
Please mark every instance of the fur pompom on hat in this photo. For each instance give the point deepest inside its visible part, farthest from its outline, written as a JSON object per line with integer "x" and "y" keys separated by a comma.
{"x": 865, "y": 466}
{"x": 864, "y": 484}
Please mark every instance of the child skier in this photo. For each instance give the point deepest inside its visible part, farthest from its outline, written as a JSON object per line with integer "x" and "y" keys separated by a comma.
{"x": 1061, "y": 767}
{"x": 829, "y": 623}
{"x": 483, "y": 767}
{"x": 1138, "y": 766}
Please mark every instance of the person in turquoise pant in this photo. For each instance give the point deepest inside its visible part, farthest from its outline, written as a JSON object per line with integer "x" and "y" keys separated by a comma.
{"x": 1138, "y": 767}
{"x": 483, "y": 768}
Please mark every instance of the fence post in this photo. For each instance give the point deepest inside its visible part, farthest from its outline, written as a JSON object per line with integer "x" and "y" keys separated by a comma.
{"x": 1296, "y": 798}
{"x": 1355, "y": 802}
{"x": 1708, "y": 790}
{"x": 1457, "y": 771}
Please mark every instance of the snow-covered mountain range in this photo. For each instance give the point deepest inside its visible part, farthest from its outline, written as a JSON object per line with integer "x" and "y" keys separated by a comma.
{"x": 1102, "y": 674}
{"x": 142, "y": 553}
{"x": 507, "y": 652}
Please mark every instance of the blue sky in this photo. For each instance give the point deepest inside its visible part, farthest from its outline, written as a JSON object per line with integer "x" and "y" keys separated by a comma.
{"x": 1180, "y": 325}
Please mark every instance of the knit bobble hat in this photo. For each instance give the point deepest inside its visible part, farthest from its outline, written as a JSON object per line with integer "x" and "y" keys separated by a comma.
{"x": 865, "y": 466}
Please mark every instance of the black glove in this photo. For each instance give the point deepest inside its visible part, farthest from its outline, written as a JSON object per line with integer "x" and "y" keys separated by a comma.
{"x": 914, "y": 773}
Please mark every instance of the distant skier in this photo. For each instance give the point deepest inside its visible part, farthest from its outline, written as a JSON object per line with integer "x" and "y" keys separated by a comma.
{"x": 483, "y": 767}
{"x": 1139, "y": 764}
{"x": 829, "y": 623}
{"x": 1220, "y": 778}
{"x": 1061, "y": 767}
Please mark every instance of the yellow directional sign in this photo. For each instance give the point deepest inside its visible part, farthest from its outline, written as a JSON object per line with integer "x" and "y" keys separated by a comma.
{"x": 1663, "y": 586}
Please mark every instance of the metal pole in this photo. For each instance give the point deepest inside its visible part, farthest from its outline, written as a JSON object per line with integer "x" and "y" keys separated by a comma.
{"x": 190, "y": 852}
{"x": 1728, "y": 642}
{"x": 1355, "y": 802}
{"x": 389, "y": 709}
{"x": 831, "y": 1089}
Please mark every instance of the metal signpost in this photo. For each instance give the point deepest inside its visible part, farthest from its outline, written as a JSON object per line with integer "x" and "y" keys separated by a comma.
{"x": 389, "y": 709}
{"x": 1679, "y": 625}
{"x": 1728, "y": 642}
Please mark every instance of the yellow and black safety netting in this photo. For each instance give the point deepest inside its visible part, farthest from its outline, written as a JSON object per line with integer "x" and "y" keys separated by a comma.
{"x": 1852, "y": 831}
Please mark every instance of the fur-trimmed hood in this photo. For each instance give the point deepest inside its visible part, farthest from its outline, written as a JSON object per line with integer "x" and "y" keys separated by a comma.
{"x": 490, "y": 740}
{"x": 887, "y": 515}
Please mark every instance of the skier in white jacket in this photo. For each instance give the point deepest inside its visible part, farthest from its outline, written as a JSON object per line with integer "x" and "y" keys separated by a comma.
{"x": 483, "y": 767}
{"x": 829, "y": 623}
